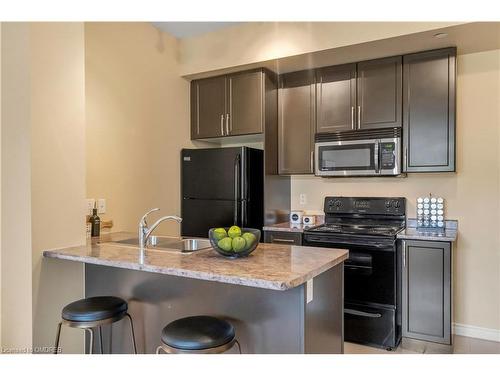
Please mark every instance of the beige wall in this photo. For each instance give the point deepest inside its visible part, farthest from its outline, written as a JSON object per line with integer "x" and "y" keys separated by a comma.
{"x": 137, "y": 121}
{"x": 0, "y": 185}
{"x": 57, "y": 174}
{"x": 43, "y": 179}
{"x": 16, "y": 270}
{"x": 261, "y": 41}
{"x": 472, "y": 194}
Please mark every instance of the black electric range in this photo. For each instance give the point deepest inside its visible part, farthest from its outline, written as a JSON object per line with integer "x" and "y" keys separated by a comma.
{"x": 367, "y": 227}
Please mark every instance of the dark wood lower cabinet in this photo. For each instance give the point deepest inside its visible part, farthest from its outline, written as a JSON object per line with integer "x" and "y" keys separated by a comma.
{"x": 283, "y": 238}
{"x": 426, "y": 291}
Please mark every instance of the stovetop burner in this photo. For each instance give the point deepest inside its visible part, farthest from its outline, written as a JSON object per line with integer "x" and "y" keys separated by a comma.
{"x": 380, "y": 230}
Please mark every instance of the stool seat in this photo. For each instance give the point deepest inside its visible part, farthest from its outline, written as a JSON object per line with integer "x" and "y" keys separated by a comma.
{"x": 197, "y": 333}
{"x": 94, "y": 308}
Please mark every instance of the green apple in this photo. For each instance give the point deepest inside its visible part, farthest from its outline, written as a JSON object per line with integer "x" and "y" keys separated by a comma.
{"x": 239, "y": 244}
{"x": 226, "y": 244}
{"x": 249, "y": 238}
{"x": 219, "y": 233}
{"x": 234, "y": 231}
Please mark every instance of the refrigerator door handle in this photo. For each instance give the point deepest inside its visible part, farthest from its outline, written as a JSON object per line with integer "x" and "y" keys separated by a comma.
{"x": 236, "y": 187}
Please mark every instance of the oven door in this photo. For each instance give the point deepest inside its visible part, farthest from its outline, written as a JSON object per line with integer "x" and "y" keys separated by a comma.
{"x": 370, "y": 271}
{"x": 347, "y": 158}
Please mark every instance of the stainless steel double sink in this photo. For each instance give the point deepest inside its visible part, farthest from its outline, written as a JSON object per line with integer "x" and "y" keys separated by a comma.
{"x": 180, "y": 245}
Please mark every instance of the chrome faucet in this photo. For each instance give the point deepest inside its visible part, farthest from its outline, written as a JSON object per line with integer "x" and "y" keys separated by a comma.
{"x": 145, "y": 231}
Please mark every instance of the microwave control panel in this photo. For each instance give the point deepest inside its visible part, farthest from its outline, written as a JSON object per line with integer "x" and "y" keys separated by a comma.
{"x": 387, "y": 155}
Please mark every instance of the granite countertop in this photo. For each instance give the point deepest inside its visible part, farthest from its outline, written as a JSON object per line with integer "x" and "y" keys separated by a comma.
{"x": 270, "y": 266}
{"x": 449, "y": 234}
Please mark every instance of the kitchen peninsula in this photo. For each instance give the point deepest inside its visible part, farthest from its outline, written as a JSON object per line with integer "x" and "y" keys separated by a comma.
{"x": 280, "y": 299}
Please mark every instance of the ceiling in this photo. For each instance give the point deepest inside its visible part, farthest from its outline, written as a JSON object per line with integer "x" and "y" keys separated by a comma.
{"x": 187, "y": 29}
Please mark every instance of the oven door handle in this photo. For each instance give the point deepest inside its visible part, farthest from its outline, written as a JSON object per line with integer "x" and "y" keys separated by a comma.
{"x": 362, "y": 313}
{"x": 357, "y": 268}
{"x": 347, "y": 243}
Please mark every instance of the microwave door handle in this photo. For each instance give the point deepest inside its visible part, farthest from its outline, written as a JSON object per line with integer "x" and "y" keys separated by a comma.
{"x": 376, "y": 156}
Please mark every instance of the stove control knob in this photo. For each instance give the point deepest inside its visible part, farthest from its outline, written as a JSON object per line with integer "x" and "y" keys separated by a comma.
{"x": 338, "y": 204}
{"x": 388, "y": 204}
{"x": 396, "y": 204}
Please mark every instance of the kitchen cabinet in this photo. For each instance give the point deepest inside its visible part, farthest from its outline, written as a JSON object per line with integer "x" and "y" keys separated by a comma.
{"x": 335, "y": 98}
{"x": 284, "y": 238}
{"x": 429, "y": 111}
{"x": 379, "y": 90}
{"x": 296, "y": 122}
{"x": 426, "y": 290}
{"x": 208, "y": 107}
{"x": 228, "y": 105}
{"x": 245, "y": 103}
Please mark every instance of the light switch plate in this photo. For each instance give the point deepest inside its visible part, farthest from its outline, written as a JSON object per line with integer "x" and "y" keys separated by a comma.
{"x": 90, "y": 205}
{"x": 303, "y": 198}
{"x": 101, "y": 206}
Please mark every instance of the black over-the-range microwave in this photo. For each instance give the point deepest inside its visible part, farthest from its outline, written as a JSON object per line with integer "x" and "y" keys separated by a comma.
{"x": 374, "y": 152}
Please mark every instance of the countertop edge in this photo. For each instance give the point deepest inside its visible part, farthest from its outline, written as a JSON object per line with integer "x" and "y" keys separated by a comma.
{"x": 256, "y": 283}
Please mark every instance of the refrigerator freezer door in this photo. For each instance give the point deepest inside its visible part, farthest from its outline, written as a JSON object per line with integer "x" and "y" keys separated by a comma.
{"x": 210, "y": 173}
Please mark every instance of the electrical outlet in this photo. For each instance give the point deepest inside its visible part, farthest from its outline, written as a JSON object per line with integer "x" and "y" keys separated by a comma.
{"x": 101, "y": 206}
{"x": 90, "y": 205}
{"x": 303, "y": 198}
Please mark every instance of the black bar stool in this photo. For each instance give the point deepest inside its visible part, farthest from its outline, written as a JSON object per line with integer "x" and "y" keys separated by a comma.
{"x": 94, "y": 312}
{"x": 198, "y": 335}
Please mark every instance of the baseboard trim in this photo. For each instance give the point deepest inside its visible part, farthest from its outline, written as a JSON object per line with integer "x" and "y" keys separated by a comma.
{"x": 476, "y": 332}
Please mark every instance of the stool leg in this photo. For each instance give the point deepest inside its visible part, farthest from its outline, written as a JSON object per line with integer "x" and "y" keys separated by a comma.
{"x": 100, "y": 339}
{"x": 58, "y": 336}
{"x": 158, "y": 349}
{"x": 133, "y": 333}
{"x": 91, "y": 333}
{"x": 239, "y": 346}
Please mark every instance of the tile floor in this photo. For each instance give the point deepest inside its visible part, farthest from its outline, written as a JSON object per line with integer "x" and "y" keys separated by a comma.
{"x": 461, "y": 345}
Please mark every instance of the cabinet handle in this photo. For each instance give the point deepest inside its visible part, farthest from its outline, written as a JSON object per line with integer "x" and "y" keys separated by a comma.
{"x": 222, "y": 124}
{"x": 312, "y": 161}
{"x": 227, "y": 123}
{"x": 352, "y": 117}
{"x": 283, "y": 240}
{"x": 359, "y": 117}
{"x": 404, "y": 254}
{"x": 405, "y": 161}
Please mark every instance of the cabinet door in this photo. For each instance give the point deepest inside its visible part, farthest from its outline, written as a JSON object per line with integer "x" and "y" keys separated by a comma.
{"x": 245, "y": 103}
{"x": 429, "y": 111}
{"x": 335, "y": 98}
{"x": 296, "y": 122}
{"x": 427, "y": 291}
{"x": 379, "y": 90}
{"x": 208, "y": 107}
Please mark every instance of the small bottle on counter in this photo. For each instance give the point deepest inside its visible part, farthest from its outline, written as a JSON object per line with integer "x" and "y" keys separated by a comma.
{"x": 95, "y": 222}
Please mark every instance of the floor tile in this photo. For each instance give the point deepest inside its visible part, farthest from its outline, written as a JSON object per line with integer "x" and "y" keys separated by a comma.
{"x": 461, "y": 345}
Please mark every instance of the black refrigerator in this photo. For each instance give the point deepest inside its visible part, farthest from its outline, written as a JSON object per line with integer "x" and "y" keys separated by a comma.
{"x": 221, "y": 187}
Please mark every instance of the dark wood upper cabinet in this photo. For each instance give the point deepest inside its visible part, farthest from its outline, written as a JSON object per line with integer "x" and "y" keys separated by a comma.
{"x": 379, "y": 90}
{"x": 245, "y": 103}
{"x": 335, "y": 98}
{"x": 429, "y": 111}
{"x": 296, "y": 122}
{"x": 228, "y": 105}
{"x": 208, "y": 107}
